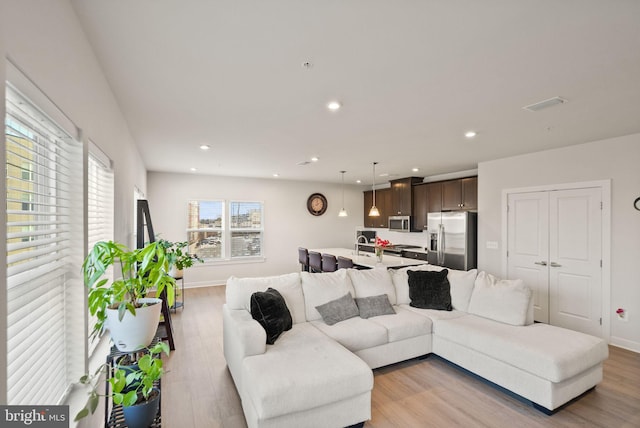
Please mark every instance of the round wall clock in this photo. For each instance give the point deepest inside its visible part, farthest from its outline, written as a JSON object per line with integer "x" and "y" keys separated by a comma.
{"x": 317, "y": 204}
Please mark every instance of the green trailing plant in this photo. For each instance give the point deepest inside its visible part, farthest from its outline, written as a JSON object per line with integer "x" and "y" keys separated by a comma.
{"x": 178, "y": 255}
{"x": 128, "y": 387}
{"x": 140, "y": 270}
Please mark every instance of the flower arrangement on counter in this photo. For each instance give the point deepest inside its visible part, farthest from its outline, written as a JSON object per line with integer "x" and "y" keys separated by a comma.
{"x": 381, "y": 244}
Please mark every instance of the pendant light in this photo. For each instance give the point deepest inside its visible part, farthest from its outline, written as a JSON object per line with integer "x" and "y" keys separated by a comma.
{"x": 373, "y": 212}
{"x": 343, "y": 212}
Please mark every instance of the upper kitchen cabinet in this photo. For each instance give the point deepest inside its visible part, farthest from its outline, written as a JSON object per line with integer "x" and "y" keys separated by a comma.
{"x": 434, "y": 195}
{"x": 383, "y": 202}
{"x": 420, "y": 206}
{"x": 461, "y": 194}
{"x": 402, "y": 195}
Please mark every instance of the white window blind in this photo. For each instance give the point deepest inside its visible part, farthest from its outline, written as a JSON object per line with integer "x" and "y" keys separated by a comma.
{"x": 46, "y": 333}
{"x": 99, "y": 211}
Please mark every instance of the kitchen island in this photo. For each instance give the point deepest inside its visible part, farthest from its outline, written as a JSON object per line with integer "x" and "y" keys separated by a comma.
{"x": 368, "y": 260}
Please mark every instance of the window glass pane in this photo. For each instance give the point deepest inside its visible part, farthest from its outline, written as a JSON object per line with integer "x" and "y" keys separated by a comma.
{"x": 205, "y": 244}
{"x": 246, "y": 215}
{"x": 205, "y": 214}
{"x": 246, "y": 244}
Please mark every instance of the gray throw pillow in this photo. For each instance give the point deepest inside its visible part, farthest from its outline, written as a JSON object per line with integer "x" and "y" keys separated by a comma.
{"x": 338, "y": 310}
{"x": 374, "y": 306}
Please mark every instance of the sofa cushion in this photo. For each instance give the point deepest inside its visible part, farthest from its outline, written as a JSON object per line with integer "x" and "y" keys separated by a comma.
{"x": 355, "y": 334}
{"x": 239, "y": 291}
{"x": 374, "y": 306}
{"x": 550, "y": 352}
{"x": 303, "y": 370}
{"x": 501, "y": 300}
{"x": 429, "y": 290}
{"x": 435, "y": 315}
{"x": 270, "y": 310}
{"x": 338, "y": 310}
{"x": 320, "y": 288}
{"x": 404, "y": 324}
{"x": 372, "y": 282}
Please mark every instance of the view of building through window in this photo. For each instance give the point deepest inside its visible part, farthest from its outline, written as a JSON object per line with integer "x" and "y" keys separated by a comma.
{"x": 214, "y": 233}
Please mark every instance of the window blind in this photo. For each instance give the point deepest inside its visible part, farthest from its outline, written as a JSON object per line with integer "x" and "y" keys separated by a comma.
{"x": 45, "y": 294}
{"x": 100, "y": 196}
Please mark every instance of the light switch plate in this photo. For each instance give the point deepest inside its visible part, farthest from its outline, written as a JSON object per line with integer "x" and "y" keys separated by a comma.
{"x": 492, "y": 245}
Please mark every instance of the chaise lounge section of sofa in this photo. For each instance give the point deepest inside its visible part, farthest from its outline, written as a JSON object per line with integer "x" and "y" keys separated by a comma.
{"x": 320, "y": 375}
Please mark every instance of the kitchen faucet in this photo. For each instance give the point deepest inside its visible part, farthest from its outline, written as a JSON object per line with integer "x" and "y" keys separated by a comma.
{"x": 358, "y": 242}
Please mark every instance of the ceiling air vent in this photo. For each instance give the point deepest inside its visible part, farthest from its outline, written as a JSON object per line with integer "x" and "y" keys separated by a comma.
{"x": 545, "y": 104}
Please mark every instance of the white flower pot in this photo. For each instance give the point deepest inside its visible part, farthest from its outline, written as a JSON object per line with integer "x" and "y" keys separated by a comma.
{"x": 135, "y": 332}
{"x": 175, "y": 272}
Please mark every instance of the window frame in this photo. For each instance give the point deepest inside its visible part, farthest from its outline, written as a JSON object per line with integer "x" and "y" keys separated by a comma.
{"x": 226, "y": 231}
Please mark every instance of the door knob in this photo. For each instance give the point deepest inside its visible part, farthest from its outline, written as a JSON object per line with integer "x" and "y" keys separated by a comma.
{"x": 543, "y": 263}
{"x": 554, "y": 264}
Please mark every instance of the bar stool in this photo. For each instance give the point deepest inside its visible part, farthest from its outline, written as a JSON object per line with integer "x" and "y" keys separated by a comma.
{"x": 303, "y": 258}
{"x": 329, "y": 263}
{"x": 315, "y": 261}
{"x": 344, "y": 263}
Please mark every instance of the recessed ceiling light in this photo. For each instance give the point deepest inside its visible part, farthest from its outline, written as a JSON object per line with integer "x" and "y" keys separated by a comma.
{"x": 358, "y": 181}
{"x": 384, "y": 174}
{"x": 334, "y": 105}
{"x": 205, "y": 147}
{"x": 315, "y": 159}
{"x": 415, "y": 169}
{"x": 193, "y": 169}
{"x": 470, "y": 134}
{"x": 276, "y": 175}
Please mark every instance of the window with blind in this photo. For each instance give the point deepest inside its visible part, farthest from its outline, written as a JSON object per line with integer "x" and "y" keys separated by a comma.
{"x": 213, "y": 233}
{"x": 99, "y": 211}
{"x": 45, "y": 246}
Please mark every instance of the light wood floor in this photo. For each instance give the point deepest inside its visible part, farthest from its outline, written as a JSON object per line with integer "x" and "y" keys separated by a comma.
{"x": 198, "y": 391}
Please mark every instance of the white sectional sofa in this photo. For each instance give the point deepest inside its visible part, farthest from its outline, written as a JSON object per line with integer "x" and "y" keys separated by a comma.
{"x": 319, "y": 375}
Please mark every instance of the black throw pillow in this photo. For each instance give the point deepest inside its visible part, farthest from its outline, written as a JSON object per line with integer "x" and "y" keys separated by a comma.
{"x": 430, "y": 290}
{"x": 270, "y": 310}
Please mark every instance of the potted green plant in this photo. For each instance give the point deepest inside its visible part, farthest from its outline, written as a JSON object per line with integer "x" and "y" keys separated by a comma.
{"x": 178, "y": 257}
{"x": 121, "y": 305}
{"x": 133, "y": 387}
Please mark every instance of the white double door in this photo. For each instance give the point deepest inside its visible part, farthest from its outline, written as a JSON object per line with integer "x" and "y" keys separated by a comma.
{"x": 555, "y": 247}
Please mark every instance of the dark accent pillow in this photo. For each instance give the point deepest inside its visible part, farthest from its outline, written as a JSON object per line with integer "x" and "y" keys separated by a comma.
{"x": 270, "y": 310}
{"x": 430, "y": 290}
{"x": 374, "y": 306}
{"x": 338, "y": 310}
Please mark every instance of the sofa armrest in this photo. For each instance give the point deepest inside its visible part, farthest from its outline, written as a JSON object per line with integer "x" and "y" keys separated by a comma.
{"x": 243, "y": 336}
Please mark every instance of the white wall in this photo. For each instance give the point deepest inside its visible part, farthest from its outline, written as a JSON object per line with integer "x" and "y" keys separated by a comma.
{"x": 45, "y": 40}
{"x": 617, "y": 159}
{"x": 288, "y": 224}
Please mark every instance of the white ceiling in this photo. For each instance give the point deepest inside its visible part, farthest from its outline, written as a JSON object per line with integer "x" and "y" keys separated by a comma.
{"x": 412, "y": 76}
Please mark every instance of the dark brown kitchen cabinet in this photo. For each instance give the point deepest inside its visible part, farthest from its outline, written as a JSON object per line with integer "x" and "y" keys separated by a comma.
{"x": 383, "y": 202}
{"x": 402, "y": 195}
{"x": 461, "y": 194}
{"x": 434, "y": 195}
{"x": 420, "y": 206}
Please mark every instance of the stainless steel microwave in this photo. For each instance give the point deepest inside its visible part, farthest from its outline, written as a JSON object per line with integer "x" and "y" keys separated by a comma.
{"x": 400, "y": 223}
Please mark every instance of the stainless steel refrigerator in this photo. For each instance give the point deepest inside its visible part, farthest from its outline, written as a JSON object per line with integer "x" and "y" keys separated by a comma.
{"x": 453, "y": 239}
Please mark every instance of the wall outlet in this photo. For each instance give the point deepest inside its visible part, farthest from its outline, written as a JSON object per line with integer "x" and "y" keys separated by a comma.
{"x": 623, "y": 316}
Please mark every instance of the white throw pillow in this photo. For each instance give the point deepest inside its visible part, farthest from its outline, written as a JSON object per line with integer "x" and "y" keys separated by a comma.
{"x": 320, "y": 288}
{"x": 239, "y": 291}
{"x": 372, "y": 282}
{"x": 462, "y": 283}
{"x": 504, "y": 300}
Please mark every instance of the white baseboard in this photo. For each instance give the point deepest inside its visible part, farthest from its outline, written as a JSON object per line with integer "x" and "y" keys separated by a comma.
{"x": 624, "y": 343}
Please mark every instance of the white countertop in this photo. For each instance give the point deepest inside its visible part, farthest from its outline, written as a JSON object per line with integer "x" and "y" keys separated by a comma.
{"x": 369, "y": 259}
